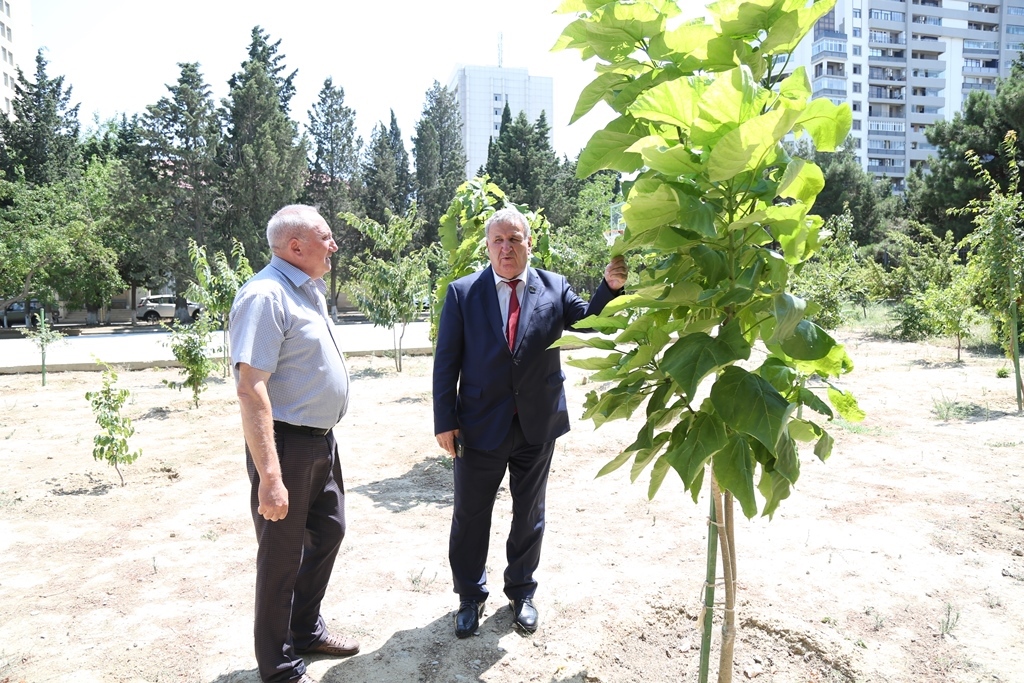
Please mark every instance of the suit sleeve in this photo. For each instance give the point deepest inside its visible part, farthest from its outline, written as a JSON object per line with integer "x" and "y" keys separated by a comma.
{"x": 448, "y": 363}
{"x": 577, "y": 309}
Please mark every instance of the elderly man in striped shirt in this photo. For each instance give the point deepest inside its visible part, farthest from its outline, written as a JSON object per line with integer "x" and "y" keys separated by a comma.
{"x": 292, "y": 387}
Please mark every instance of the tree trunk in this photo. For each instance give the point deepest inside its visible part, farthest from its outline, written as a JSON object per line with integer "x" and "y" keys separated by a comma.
{"x": 723, "y": 510}
{"x": 707, "y": 610}
{"x": 1015, "y": 352}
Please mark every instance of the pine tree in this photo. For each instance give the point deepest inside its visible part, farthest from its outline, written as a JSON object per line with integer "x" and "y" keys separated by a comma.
{"x": 521, "y": 160}
{"x": 403, "y": 176}
{"x": 387, "y": 183}
{"x": 333, "y": 177}
{"x": 439, "y": 156}
{"x": 40, "y": 140}
{"x": 181, "y": 138}
{"x": 263, "y": 155}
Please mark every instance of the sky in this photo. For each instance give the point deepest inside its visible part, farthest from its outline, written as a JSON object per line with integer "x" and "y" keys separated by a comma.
{"x": 119, "y": 55}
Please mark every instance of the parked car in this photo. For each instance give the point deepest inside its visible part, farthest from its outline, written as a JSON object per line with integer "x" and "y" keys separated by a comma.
{"x": 153, "y": 308}
{"x": 15, "y": 313}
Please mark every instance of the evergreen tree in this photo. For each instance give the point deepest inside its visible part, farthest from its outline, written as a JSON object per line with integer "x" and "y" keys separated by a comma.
{"x": 40, "y": 140}
{"x": 386, "y": 179}
{"x": 439, "y": 156}
{"x": 521, "y": 160}
{"x": 262, "y": 51}
{"x": 333, "y": 177}
{"x": 403, "y": 176}
{"x": 181, "y": 137}
{"x": 980, "y": 127}
{"x": 263, "y": 156}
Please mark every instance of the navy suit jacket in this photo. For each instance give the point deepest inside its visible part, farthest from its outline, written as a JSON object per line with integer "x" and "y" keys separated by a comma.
{"x": 479, "y": 384}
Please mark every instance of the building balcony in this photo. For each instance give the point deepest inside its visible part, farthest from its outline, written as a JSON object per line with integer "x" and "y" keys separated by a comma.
{"x": 980, "y": 86}
{"x": 900, "y": 171}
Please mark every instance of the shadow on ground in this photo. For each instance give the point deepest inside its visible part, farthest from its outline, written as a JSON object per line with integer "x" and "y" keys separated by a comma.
{"x": 429, "y": 482}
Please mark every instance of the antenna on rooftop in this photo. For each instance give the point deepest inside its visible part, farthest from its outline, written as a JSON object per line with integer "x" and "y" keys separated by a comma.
{"x": 501, "y": 48}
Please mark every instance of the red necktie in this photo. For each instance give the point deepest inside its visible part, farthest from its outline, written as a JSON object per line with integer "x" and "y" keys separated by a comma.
{"x": 513, "y": 314}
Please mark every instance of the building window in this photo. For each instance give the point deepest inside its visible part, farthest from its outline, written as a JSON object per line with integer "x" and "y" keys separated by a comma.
{"x": 856, "y": 124}
{"x": 1010, "y": 9}
{"x": 856, "y": 14}
{"x": 856, "y": 87}
{"x": 855, "y": 106}
{"x": 7, "y": 80}
{"x": 497, "y": 112}
{"x": 856, "y": 50}
{"x": 1013, "y": 29}
{"x": 856, "y": 69}
{"x": 497, "y": 126}
{"x": 856, "y": 32}
{"x": 497, "y": 97}
{"x": 1015, "y": 46}
{"x": 8, "y": 7}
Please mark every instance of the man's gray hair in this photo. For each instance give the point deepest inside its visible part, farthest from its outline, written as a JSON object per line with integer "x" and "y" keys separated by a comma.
{"x": 511, "y": 216}
{"x": 291, "y": 221}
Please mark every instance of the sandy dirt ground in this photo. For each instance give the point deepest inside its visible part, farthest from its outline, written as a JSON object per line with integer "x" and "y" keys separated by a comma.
{"x": 900, "y": 559}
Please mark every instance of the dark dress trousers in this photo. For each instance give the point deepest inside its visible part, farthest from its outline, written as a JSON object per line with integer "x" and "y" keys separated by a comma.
{"x": 509, "y": 407}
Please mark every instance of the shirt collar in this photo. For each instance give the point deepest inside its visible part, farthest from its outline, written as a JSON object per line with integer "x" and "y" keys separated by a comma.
{"x": 296, "y": 276}
{"x": 499, "y": 279}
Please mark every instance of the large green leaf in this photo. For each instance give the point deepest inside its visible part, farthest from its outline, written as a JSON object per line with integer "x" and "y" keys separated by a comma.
{"x": 651, "y": 209}
{"x": 750, "y": 405}
{"x": 802, "y": 180}
{"x": 607, "y": 149}
{"x": 808, "y": 342}
{"x": 746, "y": 18}
{"x": 698, "y": 215}
{"x": 823, "y": 448}
{"x": 732, "y": 97}
{"x": 697, "y": 355}
{"x": 808, "y": 398}
{"x": 658, "y": 472}
{"x": 646, "y": 456}
{"x": 672, "y": 102}
{"x": 748, "y": 145}
{"x": 828, "y": 124}
{"x": 600, "y": 88}
{"x": 775, "y": 489}
{"x": 734, "y": 470}
{"x": 705, "y": 437}
{"x": 789, "y": 313}
{"x": 671, "y": 161}
{"x": 795, "y": 89}
{"x": 837, "y": 362}
{"x": 778, "y": 374}
{"x": 591, "y": 342}
{"x": 597, "y": 363}
{"x": 787, "y": 462}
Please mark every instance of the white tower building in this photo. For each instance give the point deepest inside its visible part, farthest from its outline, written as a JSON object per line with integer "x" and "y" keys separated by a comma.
{"x": 482, "y": 92}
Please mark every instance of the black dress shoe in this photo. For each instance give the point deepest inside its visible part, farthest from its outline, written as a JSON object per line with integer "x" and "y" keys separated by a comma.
{"x": 524, "y": 614}
{"x": 467, "y": 621}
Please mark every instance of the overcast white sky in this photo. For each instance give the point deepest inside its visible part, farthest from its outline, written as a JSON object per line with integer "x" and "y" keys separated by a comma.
{"x": 119, "y": 55}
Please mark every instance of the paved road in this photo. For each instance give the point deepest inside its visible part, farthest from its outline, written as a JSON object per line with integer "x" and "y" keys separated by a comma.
{"x": 147, "y": 346}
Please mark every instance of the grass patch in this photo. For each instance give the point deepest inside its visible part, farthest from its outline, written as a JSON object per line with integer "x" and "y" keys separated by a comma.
{"x": 947, "y": 409}
{"x": 857, "y": 428}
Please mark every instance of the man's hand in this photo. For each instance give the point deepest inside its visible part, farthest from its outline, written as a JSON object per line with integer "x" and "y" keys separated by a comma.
{"x": 615, "y": 273}
{"x": 446, "y": 440}
{"x": 273, "y": 499}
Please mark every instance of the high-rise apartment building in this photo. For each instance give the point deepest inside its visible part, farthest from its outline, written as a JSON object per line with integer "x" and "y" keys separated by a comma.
{"x": 905, "y": 65}
{"x": 14, "y": 22}
{"x": 482, "y": 92}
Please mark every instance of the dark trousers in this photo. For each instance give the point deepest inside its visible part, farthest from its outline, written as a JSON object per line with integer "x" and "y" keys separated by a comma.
{"x": 296, "y": 554}
{"x": 477, "y": 477}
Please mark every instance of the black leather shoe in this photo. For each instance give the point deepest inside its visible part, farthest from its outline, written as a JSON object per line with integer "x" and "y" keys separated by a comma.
{"x": 467, "y": 621}
{"x": 524, "y": 614}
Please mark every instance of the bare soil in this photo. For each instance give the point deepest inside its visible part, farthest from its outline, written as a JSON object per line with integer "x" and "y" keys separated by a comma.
{"x": 900, "y": 559}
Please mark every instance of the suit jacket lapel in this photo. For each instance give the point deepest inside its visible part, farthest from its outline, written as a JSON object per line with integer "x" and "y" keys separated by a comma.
{"x": 489, "y": 293}
{"x": 533, "y": 293}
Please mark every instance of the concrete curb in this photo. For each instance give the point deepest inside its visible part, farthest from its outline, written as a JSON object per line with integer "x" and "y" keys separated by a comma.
{"x": 145, "y": 365}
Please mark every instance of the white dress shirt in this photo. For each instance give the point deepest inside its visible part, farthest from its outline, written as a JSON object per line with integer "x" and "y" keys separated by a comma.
{"x": 505, "y": 295}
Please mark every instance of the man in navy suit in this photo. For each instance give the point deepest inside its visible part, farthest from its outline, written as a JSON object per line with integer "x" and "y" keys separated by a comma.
{"x": 499, "y": 404}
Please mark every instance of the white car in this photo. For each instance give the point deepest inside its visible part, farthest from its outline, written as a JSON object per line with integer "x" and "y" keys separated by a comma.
{"x": 153, "y": 308}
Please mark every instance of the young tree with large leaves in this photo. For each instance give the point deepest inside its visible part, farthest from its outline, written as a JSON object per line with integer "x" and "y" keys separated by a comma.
{"x": 725, "y": 210}
{"x": 332, "y": 184}
{"x": 40, "y": 141}
{"x": 263, "y": 156}
{"x": 439, "y": 157}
